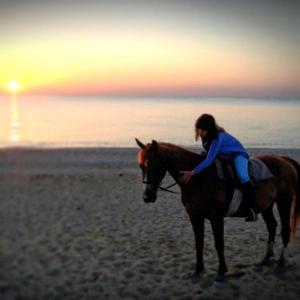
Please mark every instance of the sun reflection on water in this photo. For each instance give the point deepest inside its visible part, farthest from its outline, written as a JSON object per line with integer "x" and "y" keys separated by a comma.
{"x": 14, "y": 120}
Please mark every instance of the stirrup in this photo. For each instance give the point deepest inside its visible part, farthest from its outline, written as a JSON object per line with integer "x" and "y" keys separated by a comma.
{"x": 252, "y": 216}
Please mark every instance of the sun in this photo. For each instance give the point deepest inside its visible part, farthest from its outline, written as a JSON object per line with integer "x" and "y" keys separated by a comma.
{"x": 13, "y": 86}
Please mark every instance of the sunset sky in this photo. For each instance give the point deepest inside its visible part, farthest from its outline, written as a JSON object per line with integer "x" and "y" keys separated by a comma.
{"x": 157, "y": 47}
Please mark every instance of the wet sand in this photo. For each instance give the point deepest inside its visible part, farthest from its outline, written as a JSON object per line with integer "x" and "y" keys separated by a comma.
{"x": 73, "y": 225}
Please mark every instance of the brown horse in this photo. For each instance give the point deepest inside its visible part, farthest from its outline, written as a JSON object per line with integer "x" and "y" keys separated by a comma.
{"x": 205, "y": 196}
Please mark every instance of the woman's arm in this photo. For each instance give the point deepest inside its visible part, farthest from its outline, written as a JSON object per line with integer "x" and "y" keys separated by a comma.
{"x": 211, "y": 155}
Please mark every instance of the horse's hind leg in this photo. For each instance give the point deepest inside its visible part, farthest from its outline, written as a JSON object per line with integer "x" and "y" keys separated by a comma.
{"x": 284, "y": 207}
{"x": 271, "y": 223}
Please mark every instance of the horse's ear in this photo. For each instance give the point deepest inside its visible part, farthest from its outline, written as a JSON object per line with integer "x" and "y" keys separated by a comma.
{"x": 140, "y": 144}
{"x": 154, "y": 145}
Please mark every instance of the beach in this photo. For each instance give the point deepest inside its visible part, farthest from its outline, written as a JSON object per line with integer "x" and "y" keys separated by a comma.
{"x": 73, "y": 225}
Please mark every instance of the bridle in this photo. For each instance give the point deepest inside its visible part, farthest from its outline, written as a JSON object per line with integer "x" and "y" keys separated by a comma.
{"x": 163, "y": 189}
{"x": 160, "y": 188}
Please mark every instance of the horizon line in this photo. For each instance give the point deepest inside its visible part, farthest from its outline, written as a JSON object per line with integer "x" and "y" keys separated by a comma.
{"x": 155, "y": 95}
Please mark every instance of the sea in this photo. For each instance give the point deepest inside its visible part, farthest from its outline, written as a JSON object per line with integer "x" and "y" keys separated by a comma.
{"x": 106, "y": 121}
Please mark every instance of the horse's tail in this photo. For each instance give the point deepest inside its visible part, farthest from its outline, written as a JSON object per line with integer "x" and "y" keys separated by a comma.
{"x": 296, "y": 216}
{"x": 296, "y": 203}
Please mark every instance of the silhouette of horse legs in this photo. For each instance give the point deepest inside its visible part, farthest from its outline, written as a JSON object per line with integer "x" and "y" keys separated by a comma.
{"x": 271, "y": 223}
{"x": 198, "y": 227}
{"x": 217, "y": 224}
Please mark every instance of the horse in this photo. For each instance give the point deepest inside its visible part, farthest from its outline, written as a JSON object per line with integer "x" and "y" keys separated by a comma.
{"x": 204, "y": 197}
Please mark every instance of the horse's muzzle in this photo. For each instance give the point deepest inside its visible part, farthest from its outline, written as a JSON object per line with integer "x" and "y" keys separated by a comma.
{"x": 150, "y": 193}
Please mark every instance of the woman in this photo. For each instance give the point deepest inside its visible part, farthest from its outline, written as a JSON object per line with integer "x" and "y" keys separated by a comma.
{"x": 218, "y": 143}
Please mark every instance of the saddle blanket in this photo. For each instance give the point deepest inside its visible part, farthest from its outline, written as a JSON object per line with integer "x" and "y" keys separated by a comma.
{"x": 235, "y": 203}
{"x": 258, "y": 170}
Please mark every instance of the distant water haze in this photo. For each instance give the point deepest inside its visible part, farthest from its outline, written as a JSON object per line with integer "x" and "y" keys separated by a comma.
{"x": 84, "y": 121}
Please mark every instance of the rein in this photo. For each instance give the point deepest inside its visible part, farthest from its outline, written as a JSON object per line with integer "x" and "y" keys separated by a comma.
{"x": 164, "y": 189}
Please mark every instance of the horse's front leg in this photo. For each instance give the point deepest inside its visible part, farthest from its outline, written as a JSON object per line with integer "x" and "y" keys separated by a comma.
{"x": 198, "y": 226}
{"x": 217, "y": 223}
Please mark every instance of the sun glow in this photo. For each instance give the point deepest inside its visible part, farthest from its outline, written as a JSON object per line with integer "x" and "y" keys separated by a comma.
{"x": 13, "y": 86}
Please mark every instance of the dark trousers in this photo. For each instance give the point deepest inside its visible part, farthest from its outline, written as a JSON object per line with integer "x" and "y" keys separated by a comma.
{"x": 249, "y": 194}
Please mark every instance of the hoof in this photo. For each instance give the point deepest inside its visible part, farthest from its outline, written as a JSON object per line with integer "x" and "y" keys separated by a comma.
{"x": 264, "y": 262}
{"x": 233, "y": 273}
{"x": 281, "y": 263}
{"x": 280, "y": 269}
{"x": 281, "y": 266}
{"x": 194, "y": 275}
{"x": 198, "y": 270}
{"x": 220, "y": 278}
{"x": 242, "y": 266}
{"x": 198, "y": 273}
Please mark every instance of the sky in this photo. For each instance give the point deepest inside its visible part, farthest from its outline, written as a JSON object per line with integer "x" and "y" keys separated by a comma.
{"x": 123, "y": 47}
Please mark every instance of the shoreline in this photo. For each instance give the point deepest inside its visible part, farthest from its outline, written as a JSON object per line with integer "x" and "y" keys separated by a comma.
{"x": 95, "y": 159}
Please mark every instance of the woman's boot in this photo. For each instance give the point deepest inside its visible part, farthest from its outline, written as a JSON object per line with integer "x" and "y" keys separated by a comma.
{"x": 249, "y": 196}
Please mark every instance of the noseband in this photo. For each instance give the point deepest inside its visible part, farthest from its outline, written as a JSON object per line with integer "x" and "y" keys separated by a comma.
{"x": 164, "y": 189}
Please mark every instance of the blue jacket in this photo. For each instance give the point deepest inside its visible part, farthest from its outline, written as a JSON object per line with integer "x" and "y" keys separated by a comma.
{"x": 225, "y": 146}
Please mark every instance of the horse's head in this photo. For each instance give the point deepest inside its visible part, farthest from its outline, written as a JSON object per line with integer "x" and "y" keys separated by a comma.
{"x": 152, "y": 163}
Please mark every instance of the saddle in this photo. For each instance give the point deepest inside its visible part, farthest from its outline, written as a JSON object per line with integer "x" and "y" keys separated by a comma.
{"x": 258, "y": 171}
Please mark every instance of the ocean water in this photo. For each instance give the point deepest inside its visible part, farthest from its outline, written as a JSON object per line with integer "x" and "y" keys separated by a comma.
{"x": 93, "y": 121}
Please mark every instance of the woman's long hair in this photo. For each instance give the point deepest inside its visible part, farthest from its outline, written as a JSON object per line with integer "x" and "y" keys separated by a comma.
{"x": 207, "y": 122}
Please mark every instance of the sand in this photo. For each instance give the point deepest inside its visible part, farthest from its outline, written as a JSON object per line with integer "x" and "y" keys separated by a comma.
{"x": 73, "y": 225}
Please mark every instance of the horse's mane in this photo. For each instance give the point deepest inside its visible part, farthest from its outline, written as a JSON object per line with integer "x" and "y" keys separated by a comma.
{"x": 179, "y": 149}
{"x": 177, "y": 152}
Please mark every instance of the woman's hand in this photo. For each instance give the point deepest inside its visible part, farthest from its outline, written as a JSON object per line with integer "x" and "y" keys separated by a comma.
{"x": 186, "y": 176}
